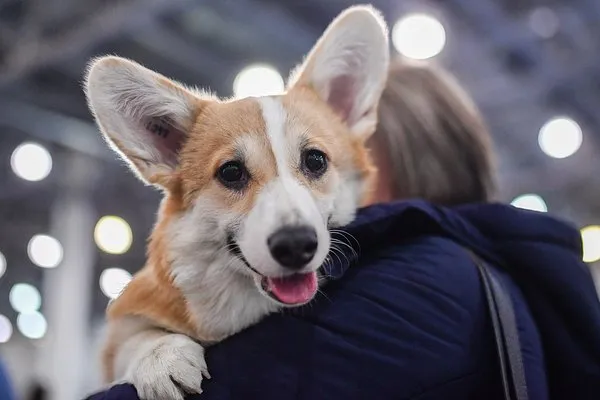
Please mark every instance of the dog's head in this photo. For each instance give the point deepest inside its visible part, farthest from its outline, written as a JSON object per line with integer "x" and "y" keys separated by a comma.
{"x": 259, "y": 178}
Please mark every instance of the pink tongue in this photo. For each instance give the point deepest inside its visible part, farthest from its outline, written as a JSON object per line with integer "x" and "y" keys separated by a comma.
{"x": 294, "y": 289}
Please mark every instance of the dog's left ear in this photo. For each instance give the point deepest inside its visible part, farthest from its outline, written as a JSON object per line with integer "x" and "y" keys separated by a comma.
{"x": 348, "y": 67}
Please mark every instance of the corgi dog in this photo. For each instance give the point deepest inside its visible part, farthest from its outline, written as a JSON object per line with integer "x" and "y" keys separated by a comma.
{"x": 251, "y": 187}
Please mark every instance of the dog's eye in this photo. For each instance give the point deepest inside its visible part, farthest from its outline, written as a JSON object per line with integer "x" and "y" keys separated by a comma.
{"x": 233, "y": 175}
{"x": 314, "y": 162}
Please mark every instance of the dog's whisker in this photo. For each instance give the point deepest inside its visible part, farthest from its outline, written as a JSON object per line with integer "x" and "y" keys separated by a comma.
{"x": 347, "y": 236}
{"x": 337, "y": 241}
{"x": 324, "y": 295}
{"x": 341, "y": 253}
{"x": 327, "y": 263}
{"x": 333, "y": 252}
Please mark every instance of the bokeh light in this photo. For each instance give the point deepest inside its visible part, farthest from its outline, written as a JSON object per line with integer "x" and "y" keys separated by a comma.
{"x": 258, "y": 80}
{"x": 544, "y": 22}
{"x": 2, "y": 264}
{"x": 560, "y": 137}
{"x": 45, "y": 251}
{"x": 113, "y": 235}
{"x": 113, "y": 281}
{"x": 32, "y": 325}
{"x": 530, "y": 202}
{"x": 31, "y": 161}
{"x": 418, "y": 36}
{"x": 6, "y": 329}
{"x": 590, "y": 237}
{"x": 24, "y": 298}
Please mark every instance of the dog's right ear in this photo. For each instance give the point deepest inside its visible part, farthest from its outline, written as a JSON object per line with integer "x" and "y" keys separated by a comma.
{"x": 143, "y": 115}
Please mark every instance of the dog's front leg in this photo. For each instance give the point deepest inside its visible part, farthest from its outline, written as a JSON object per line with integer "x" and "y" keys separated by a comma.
{"x": 161, "y": 365}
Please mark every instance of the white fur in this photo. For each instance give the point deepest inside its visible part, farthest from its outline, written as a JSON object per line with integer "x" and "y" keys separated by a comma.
{"x": 348, "y": 66}
{"x": 160, "y": 364}
{"x": 347, "y": 200}
{"x": 275, "y": 121}
{"x": 220, "y": 291}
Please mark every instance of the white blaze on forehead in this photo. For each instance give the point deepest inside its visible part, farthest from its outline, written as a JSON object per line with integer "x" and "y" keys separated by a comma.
{"x": 275, "y": 116}
{"x": 292, "y": 201}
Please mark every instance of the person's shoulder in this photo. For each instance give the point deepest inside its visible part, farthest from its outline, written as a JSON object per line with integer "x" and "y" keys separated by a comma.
{"x": 503, "y": 222}
{"x": 434, "y": 254}
{"x": 426, "y": 271}
{"x": 426, "y": 247}
{"x": 496, "y": 232}
{"x": 424, "y": 252}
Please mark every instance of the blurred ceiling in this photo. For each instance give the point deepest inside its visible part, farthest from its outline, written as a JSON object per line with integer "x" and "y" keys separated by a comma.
{"x": 518, "y": 77}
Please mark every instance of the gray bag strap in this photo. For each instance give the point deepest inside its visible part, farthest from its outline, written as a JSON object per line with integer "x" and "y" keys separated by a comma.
{"x": 508, "y": 347}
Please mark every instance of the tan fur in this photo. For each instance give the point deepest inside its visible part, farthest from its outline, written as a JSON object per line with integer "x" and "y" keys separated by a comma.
{"x": 213, "y": 139}
{"x": 329, "y": 134}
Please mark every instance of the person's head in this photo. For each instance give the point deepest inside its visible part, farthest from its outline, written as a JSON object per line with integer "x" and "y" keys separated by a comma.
{"x": 431, "y": 141}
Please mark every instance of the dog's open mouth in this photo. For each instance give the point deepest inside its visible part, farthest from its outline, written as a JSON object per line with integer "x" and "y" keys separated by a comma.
{"x": 294, "y": 289}
{"x": 291, "y": 290}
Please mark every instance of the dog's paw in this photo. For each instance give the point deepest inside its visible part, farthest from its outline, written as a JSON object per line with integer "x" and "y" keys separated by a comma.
{"x": 172, "y": 367}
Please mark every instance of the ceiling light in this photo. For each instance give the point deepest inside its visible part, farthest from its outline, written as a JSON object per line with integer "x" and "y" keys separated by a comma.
{"x": 530, "y": 202}
{"x": 560, "y": 137}
{"x": 113, "y": 281}
{"x": 113, "y": 235}
{"x": 45, "y": 251}
{"x": 590, "y": 237}
{"x": 258, "y": 80}
{"x": 6, "y": 329}
{"x": 24, "y": 298}
{"x": 31, "y": 162}
{"x": 2, "y": 264}
{"x": 418, "y": 36}
{"x": 32, "y": 325}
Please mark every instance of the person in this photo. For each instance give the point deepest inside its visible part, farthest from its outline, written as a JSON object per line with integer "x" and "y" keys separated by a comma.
{"x": 404, "y": 314}
{"x": 431, "y": 136}
{"x": 6, "y": 389}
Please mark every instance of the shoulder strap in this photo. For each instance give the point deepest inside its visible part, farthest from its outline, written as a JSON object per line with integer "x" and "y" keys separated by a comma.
{"x": 505, "y": 331}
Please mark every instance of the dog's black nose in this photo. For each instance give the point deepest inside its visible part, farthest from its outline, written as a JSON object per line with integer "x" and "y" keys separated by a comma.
{"x": 293, "y": 247}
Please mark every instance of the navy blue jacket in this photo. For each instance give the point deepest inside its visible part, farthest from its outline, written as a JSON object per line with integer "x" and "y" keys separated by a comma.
{"x": 409, "y": 321}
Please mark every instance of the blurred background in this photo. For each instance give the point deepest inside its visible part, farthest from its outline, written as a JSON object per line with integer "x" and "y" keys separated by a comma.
{"x": 73, "y": 220}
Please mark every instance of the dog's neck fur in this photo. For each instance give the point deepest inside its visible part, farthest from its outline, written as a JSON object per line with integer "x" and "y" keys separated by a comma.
{"x": 220, "y": 297}
{"x": 221, "y": 300}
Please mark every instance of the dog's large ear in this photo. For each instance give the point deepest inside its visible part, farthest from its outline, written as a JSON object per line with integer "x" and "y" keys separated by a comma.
{"x": 143, "y": 115}
{"x": 348, "y": 67}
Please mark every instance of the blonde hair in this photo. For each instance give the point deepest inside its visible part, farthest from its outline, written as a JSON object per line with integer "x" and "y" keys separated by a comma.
{"x": 437, "y": 144}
